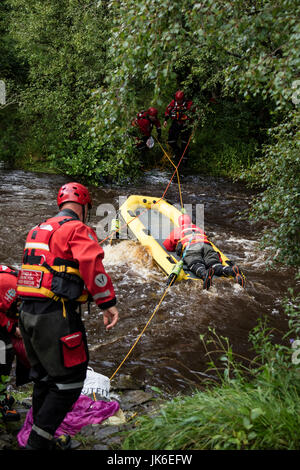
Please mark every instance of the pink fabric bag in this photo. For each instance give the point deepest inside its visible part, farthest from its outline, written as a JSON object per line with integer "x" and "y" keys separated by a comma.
{"x": 85, "y": 411}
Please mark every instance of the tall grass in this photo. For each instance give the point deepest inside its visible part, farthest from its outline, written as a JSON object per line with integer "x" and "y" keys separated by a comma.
{"x": 253, "y": 406}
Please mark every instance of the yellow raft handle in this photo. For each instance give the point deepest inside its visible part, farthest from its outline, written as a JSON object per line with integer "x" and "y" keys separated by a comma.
{"x": 175, "y": 272}
{"x": 115, "y": 228}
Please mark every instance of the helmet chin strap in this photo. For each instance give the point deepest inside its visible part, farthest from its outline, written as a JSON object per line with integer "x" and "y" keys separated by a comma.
{"x": 88, "y": 215}
{"x": 85, "y": 214}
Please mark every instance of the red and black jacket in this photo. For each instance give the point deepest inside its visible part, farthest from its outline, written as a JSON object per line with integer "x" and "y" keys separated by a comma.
{"x": 8, "y": 298}
{"x": 63, "y": 261}
{"x": 179, "y": 112}
{"x": 145, "y": 125}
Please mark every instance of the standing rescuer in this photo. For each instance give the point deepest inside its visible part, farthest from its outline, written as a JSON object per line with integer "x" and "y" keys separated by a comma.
{"x": 62, "y": 265}
{"x": 144, "y": 122}
{"x": 9, "y": 332}
{"x": 179, "y": 110}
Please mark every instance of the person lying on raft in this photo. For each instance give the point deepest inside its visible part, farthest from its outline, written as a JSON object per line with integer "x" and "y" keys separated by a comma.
{"x": 191, "y": 244}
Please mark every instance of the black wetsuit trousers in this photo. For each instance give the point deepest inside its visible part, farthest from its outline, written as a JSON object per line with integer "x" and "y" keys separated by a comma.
{"x": 56, "y": 387}
{"x": 179, "y": 131}
{"x": 200, "y": 257}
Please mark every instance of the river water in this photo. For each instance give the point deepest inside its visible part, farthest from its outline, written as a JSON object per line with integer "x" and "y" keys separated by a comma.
{"x": 170, "y": 354}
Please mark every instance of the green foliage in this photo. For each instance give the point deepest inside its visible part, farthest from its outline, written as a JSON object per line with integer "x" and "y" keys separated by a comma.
{"x": 94, "y": 161}
{"x": 12, "y": 72}
{"x": 62, "y": 44}
{"x": 254, "y": 404}
{"x": 278, "y": 171}
{"x": 3, "y": 381}
{"x": 292, "y": 309}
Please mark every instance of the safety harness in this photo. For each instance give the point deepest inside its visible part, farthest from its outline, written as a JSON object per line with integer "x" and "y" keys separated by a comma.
{"x": 190, "y": 236}
{"x": 45, "y": 276}
{"x": 178, "y": 111}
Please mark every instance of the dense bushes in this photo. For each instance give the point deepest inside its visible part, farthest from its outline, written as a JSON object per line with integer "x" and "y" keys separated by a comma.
{"x": 252, "y": 405}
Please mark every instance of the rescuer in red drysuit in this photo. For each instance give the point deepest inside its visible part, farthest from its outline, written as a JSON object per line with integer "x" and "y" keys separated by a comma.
{"x": 11, "y": 343}
{"x": 180, "y": 111}
{"x": 62, "y": 265}
{"x": 191, "y": 243}
{"x": 145, "y": 121}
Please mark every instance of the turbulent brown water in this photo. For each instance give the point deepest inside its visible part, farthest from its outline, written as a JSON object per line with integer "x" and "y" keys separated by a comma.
{"x": 170, "y": 354}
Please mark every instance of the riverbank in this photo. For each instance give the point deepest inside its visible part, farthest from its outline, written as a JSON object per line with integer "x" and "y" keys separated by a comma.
{"x": 219, "y": 166}
{"x": 247, "y": 407}
{"x": 238, "y": 415}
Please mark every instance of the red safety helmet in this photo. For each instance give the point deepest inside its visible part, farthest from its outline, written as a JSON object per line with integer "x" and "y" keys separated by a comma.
{"x": 179, "y": 95}
{"x": 8, "y": 287}
{"x": 152, "y": 112}
{"x": 74, "y": 192}
{"x": 184, "y": 219}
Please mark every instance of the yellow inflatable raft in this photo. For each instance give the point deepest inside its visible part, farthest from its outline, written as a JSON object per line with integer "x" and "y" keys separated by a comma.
{"x": 150, "y": 220}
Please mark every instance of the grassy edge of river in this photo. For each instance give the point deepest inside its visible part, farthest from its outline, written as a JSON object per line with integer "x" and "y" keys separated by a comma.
{"x": 230, "y": 169}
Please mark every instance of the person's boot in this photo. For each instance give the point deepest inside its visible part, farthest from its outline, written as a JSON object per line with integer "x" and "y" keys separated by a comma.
{"x": 199, "y": 269}
{"x": 207, "y": 281}
{"x": 205, "y": 274}
{"x": 38, "y": 442}
{"x": 239, "y": 275}
{"x": 236, "y": 273}
{"x": 9, "y": 415}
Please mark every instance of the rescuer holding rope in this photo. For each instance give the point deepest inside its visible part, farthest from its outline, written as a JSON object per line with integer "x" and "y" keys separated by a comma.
{"x": 62, "y": 266}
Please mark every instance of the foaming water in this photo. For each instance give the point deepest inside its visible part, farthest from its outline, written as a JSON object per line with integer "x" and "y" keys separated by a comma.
{"x": 130, "y": 252}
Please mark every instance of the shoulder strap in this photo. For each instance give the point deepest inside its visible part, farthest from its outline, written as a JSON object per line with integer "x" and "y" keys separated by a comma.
{"x": 12, "y": 271}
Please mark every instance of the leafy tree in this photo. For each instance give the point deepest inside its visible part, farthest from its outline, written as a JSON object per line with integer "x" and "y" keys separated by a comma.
{"x": 88, "y": 67}
{"x": 13, "y": 74}
{"x": 63, "y": 43}
{"x": 248, "y": 52}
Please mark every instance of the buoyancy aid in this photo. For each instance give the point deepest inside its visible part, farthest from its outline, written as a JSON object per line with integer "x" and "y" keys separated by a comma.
{"x": 190, "y": 236}
{"x": 178, "y": 111}
{"x": 145, "y": 124}
{"x": 8, "y": 297}
{"x": 45, "y": 276}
